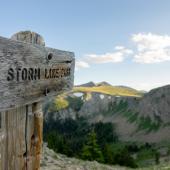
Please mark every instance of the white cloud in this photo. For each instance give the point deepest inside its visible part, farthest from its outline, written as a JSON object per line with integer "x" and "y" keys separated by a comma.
{"x": 81, "y": 64}
{"x": 105, "y": 58}
{"x": 114, "y": 57}
{"x": 151, "y": 48}
{"x": 119, "y": 48}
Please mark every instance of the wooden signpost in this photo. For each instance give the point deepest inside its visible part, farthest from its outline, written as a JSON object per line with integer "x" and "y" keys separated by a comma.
{"x": 29, "y": 72}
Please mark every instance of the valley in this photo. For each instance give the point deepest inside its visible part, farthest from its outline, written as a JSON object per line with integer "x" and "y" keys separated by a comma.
{"x": 138, "y": 119}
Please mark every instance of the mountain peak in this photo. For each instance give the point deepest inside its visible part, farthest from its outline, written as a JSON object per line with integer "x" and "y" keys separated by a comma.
{"x": 89, "y": 84}
{"x": 103, "y": 83}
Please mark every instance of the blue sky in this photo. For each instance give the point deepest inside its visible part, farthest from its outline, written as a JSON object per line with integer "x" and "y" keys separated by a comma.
{"x": 123, "y": 42}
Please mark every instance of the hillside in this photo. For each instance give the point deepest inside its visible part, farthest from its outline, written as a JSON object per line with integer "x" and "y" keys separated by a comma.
{"x": 89, "y": 84}
{"x": 157, "y": 103}
{"x": 110, "y": 90}
{"x": 55, "y": 161}
{"x": 137, "y": 116}
{"x": 52, "y": 160}
{"x": 128, "y": 122}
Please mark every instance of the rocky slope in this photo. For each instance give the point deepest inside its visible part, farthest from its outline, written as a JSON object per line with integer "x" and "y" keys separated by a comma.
{"x": 138, "y": 117}
{"x": 54, "y": 161}
{"x": 157, "y": 103}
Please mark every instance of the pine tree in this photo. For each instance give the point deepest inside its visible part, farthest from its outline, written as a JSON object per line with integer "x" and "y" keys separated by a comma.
{"x": 91, "y": 150}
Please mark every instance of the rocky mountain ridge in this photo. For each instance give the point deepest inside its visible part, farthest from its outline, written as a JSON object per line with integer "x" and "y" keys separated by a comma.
{"x": 141, "y": 118}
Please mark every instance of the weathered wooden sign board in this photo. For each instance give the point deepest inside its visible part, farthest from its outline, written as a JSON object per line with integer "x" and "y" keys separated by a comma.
{"x": 29, "y": 72}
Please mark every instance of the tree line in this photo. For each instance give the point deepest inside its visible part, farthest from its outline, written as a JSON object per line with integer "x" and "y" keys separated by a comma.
{"x": 80, "y": 139}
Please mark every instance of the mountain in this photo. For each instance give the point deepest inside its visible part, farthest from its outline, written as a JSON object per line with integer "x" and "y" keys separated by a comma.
{"x": 157, "y": 103}
{"x": 103, "y": 83}
{"x": 89, "y": 84}
{"x": 106, "y": 88}
{"x": 109, "y": 90}
{"x": 129, "y": 88}
{"x": 92, "y": 84}
{"x": 136, "y": 124}
{"x": 137, "y": 116}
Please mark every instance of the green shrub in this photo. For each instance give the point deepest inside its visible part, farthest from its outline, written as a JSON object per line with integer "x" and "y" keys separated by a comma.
{"x": 75, "y": 103}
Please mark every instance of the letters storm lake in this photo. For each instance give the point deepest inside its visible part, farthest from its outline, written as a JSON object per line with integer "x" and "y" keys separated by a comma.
{"x": 28, "y": 74}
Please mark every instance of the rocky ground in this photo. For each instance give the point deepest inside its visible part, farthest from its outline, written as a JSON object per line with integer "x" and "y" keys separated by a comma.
{"x": 52, "y": 161}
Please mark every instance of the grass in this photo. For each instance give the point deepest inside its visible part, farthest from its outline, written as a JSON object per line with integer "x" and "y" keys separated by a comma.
{"x": 75, "y": 103}
{"x": 131, "y": 116}
{"x": 145, "y": 123}
{"x": 121, "y": 107}
{"x": 142, "y": 123}
{"x": 111, "y": 90}
{"x": 64, "y": 101}
{"x": 57, "y": 104}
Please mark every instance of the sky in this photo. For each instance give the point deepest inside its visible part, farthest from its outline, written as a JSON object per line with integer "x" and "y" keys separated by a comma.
{"x": 123, "y": 42}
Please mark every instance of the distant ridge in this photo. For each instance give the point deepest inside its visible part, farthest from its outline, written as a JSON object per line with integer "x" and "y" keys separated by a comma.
{"x": 89, "y": 84}
{"x": 103, "y": 83}
{"x": 106, "y": 88}
{"x": 126, "y": 87}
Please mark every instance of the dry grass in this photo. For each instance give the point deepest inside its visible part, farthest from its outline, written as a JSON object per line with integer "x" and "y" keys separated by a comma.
{"x": 111, "y": 90}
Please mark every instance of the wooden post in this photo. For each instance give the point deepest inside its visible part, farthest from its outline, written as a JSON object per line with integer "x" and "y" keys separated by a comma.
{"x": 26, "y": 86}
{"x": 36, "y": 138}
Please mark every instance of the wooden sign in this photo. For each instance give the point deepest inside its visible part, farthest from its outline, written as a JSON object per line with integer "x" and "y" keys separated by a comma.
{"x": 29, "y": 72}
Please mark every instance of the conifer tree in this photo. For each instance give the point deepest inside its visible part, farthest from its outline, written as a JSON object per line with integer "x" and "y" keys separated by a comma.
{"x": 91, "y": 150}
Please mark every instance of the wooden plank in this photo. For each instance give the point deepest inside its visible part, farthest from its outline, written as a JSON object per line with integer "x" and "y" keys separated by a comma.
{"x": 1, "y": 138}
{"x": 13, "y": 142}
{"x": 30, "y": 136}
{"x": 22, "y": 139}
{"x": 37, "y": 138}
{"x": 34, "y": 136}
{"x": 28, "y": 72}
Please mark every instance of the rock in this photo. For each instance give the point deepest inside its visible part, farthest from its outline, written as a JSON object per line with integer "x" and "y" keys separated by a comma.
{"x": 156, "y": 104}
{"x": 55, "y": 161}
